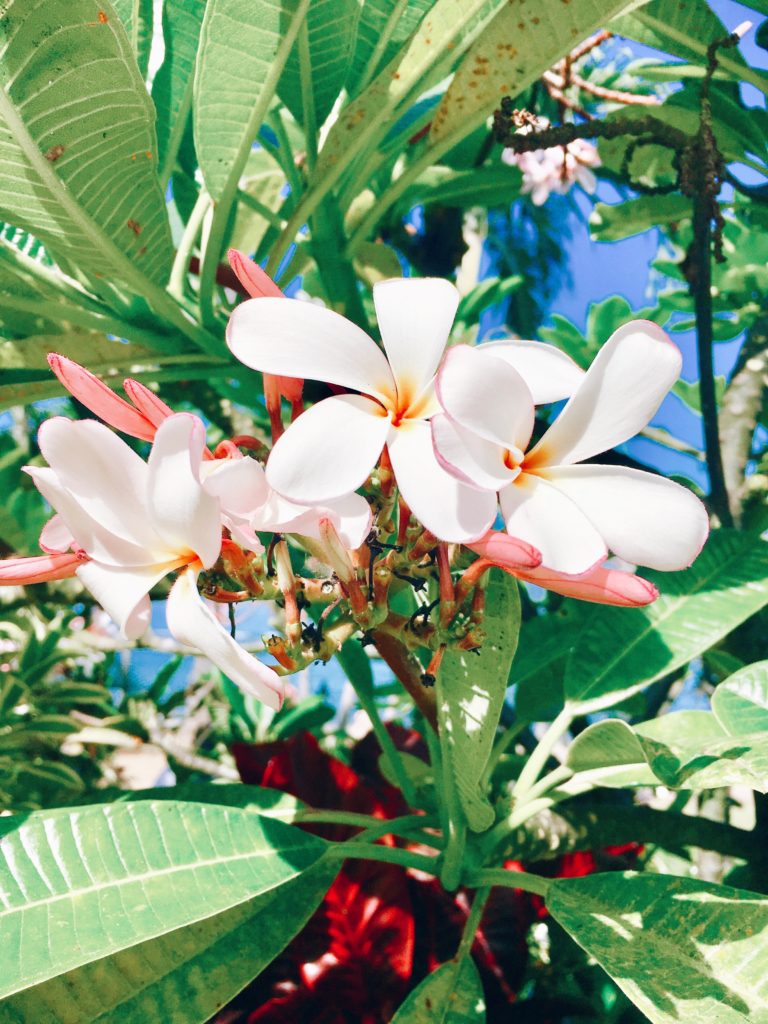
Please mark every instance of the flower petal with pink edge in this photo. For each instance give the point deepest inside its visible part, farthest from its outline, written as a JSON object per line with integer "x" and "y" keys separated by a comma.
{"x": 415, "y": 316}
{"x": 256, "y": 281}
{"x": 193, "y": 623}
{"x": 618, "y": 396}
{"x": 184, "y": 514}
{"x": 505, "y": 551}
{"x": 88, "y": 533}
{"x": 105, "y": 477}
{"x": 19, "y": 572}
{"x": 350, "y": 515}
{"x": 471, "y": 459}
{"x": 122, "y": 592}
{"x": 550, "y": 374}
{"x": 486, "y": 395}
{"x": 55, "y": 536}
{"x": 240, "y": 484}
{"x": 643, "y": 518}
{"x": 600, "y": 586}
{"x": 329, "y": 450}
{"x": 535, "y": 511}
{"x": 100, "y": 399}
{"x": 299, "y": 339}
{"x": 147, "y": 402}
{"x": 450, "y": 509}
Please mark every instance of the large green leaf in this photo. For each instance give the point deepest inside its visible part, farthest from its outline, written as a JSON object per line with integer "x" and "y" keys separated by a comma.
{"x": 471, "y": 691}
{"x": 331, "y": 27}
{"x": 451, "y": 994}
{"x": 740, "y": 702}
{"x": 68, "y": 880}
{"x": 244, "y": 45}
{"x": 136, "y": 16}
{"x": 539, "y": 665}
{"x": 686, "y": 28}
{"x": 77, "y": 142}
{"x": 184, "y": 976}
{"x": 521, "y": 42}
{"x": 623, "y": 650}
{"x": 172, "y": 87}
{"x": 381, "y": 31}
{"x": 256, "y": 799}
{"x": 681, "y": 950}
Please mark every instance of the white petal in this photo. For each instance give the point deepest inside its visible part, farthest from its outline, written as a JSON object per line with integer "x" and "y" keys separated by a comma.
{"x": 106, "y": 478}
{"x": 550, "y": 374}
{"x": 415, "y": 317}
{"x": 192, "y": 623}
{"x": 184, "y": 514}
{"x": 618, "y": 396}
{"x": 88, "y": 533}
{"x": 329, "y": 450}
{"x": 537, "y": 512}
{"x": 122, "y": 592}
{"x": 643, "y": 518}
{"x": 448, "y": 508}
{"x": 486, "y": 395}
{"x": 239, "y": 484}
{"x": 300, "y": 339}
{"x": 470, "y": 458}
{"x": 55, "y": 536}
{"x": 350, "y": 515}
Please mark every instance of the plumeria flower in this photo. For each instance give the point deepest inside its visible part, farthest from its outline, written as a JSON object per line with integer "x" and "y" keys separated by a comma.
{"x": 574, "y": 513}
{"x": 130, "y": 523}
{"x": 555, "y": 169}
{"x": 332, "y": 448}
{"x": 601, "y": 585}
{"x": 247, "y": 502}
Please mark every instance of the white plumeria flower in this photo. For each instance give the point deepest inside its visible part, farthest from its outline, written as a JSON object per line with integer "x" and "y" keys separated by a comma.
{"x": 249, "y": 504}
{"x": 574, "y": 514}
{"x": 330, "y": 450}
{"x": 132, "y": 522}
{"x": 555, "y": 169}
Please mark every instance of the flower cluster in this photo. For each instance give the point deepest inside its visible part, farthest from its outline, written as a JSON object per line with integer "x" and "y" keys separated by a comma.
{"x": 439, "y": 444}
{"x": 555, "y": 169}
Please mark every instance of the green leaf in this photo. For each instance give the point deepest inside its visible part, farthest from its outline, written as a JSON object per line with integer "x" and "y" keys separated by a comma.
{"x": 609, "y": 222}
{"x": 451, "y": 994}
{"x": 492, "y": 185}
{"x": 622, "y": 650}
{"x": 272, "y": 803}
{"x": 172, "y": 87}
{"x": 740, "y": 702}
{"x": 244, "y": 45}
{"x": 172, "y": 863}
{"x": 522, "y": 41}
{"x": 681, "y": 950}
{"x": 471, "y": 692}
{"x": 604, "y": 744}
{"x": 690, "y": 394}
{"x": 136, "y": 16}
{"x": 383, "y": 28}
{"x": 685, "y": 29}
{"x": 185, "y": 976}
{"x": 76, "y": 175}
{"x": 538, "y": 668}
{"x": 332, "y": 30}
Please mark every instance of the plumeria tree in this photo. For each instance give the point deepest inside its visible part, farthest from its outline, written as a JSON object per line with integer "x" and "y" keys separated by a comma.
{"x": 539, "y": 792}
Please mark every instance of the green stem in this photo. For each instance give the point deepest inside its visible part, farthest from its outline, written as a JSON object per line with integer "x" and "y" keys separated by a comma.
{"x": 541, "y": 754}
{"x": 472, "y": 923}
{"x": 180, "y": 267}
{"x": 223, "y": 203}
{"x": 511, "y": 880}
{"x": 336, "y": 270}
{"x": 283, "y": 154}
{"x": 549, "y": 781}
{"x": 263, "y": 211}
{"x": 384, "y": 854}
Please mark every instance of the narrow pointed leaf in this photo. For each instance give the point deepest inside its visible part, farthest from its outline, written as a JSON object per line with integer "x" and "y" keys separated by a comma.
{"x": 681, "y": 950}
{"x": 67, "y": 881}
{"x": 374, "y": 21}
{"x": 136, "y": 16}
{"x": 471, "y": 692}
